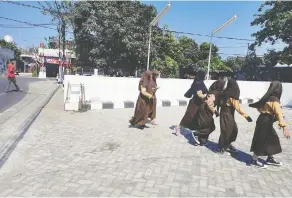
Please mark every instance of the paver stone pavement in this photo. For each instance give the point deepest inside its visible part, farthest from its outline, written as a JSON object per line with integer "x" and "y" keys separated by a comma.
{"x": 96, "y": 153}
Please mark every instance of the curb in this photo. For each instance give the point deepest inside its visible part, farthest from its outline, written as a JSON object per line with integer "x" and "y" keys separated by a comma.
{"x": 12, "y": 143}
{"x": 160, "y": 103}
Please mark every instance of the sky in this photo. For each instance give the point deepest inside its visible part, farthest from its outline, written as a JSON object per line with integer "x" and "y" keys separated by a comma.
{"x": 200, "y": 17}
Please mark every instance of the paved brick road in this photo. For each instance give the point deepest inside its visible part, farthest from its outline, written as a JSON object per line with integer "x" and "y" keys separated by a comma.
{"x": 96, "y": 154}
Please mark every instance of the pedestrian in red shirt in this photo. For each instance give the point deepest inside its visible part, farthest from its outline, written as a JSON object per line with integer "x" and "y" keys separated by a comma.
{"x": 11, "y": 76}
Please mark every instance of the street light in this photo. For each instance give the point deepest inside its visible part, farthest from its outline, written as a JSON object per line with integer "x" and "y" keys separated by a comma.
{"x": 212, "y": 34}
{"x": 154, "y": 22}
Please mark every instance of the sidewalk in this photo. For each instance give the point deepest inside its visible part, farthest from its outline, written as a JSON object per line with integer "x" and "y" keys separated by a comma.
{"x": 95, "y": 153}
{"x": 14, "y": 120}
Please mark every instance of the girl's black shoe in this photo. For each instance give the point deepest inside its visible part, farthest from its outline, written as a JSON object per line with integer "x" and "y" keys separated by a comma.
{"x": 272, "y": 161}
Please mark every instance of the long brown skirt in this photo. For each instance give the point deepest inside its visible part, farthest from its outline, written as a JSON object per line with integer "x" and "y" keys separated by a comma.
{"x": 204, "y": 123}
{"x": 265, "y": 140}
{"x": 145, "y": 108}
{"x": 228, "y": 127}
{"x": 187, "y": 120}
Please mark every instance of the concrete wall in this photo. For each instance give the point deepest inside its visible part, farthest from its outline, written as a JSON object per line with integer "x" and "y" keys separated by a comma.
{"x": 119, "y": 89}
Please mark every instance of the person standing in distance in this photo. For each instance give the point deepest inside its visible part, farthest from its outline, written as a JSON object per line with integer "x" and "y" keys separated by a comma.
{"x": 11, "y": 76}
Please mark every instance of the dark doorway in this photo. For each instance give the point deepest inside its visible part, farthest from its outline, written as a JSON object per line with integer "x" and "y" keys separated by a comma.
{"x": 52, "y": 70}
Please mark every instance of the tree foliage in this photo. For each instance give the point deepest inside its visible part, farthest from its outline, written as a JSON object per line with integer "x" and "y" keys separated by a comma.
{"x": 252, "y": 66}
{"x": 234, "y": 63}
{"x": 113, "y": 35}
{"x": 271, "y": 58}
{"x": 59, "y": 10}
{"x": 11, "y": 46}
{"x": 275, "y": 20}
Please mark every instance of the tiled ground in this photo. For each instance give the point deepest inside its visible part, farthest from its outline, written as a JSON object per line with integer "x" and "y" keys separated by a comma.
{"x": 95, "y": 153}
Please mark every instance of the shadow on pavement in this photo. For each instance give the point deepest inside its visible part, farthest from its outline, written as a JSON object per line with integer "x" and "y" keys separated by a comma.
{"x": 14, "y": 90}
{"x": 213, "y": 146}
{"x": 239, "y": 155}
{"x": 136, "y": 127}
{"x": 184, "y": 132}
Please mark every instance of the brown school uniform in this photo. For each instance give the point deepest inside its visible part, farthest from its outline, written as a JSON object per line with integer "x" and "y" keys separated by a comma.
{"x": 204, "y": 121}
{"x": 229, "y": 103}
{"x": 265, "y": 140}
{"x": 146, "y": 103}
{"x": 198, "y": 92}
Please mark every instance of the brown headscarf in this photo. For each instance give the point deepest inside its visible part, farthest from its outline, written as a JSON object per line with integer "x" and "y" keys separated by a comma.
{"x": 273, "y": 94}
{"x": 148, "y": 80}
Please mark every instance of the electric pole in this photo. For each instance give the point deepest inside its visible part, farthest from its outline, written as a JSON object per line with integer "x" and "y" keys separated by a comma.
{"x": 63, "y": 46}
{"x": 62, "y": 33}
{"x": 60, "y": 56}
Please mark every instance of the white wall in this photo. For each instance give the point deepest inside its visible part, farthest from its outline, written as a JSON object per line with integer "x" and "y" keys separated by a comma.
{"x": 118, "y": 89}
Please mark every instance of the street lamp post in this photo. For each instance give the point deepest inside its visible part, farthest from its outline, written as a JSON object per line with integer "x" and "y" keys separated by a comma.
{"x": 212, "y": 34}
{"x": 154, "y": 22}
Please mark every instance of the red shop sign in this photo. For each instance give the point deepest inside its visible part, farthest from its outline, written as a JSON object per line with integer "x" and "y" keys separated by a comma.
{"x": 52, "y": 60}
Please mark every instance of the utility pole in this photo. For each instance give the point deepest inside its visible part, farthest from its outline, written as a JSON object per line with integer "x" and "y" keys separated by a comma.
{"x": 60, "y": 57}
{"x": 62, "y": 33}
{"x": 63, "y": 45}
{"x": 247, "y": 49}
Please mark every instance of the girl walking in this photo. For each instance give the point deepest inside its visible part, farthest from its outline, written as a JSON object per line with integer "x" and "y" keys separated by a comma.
{"x": 146, "y": 103}
{"x": 204, "y": 122}
{"x": 229, "y": 102}
{"x": 265, "y": 140}
{"x": 197, "y": 93}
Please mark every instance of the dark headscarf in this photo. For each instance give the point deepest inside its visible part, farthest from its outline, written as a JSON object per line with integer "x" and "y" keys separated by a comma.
{"x": 216, "y": 88}
{"x": 273, "y": 94}
{"x": 198, "y": 84}
{"x": 218, "y": 85}
{"x": 147, "y": 82}
{"x": 232, "y": 90}
{"x": 201, "y": 74}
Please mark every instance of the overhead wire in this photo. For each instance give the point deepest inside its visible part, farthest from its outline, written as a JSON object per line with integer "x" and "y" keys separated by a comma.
{"x": 30, "y": 6}
{"x": 32, "y": 24}
{"x": 179, "y": 32}
{"x": 206, "y": 35}
{"x": 172, "y": 31}
{"x": 20, "y": 26}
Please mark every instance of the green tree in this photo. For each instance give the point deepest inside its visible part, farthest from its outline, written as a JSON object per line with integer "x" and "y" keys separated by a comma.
{"x": 11, "y": 46}
{"x": 168, "y": 67}
{"x": 216, "y": 64}
{"x": 58, "y": 10}
{"x": 190, "y": 53}
{"x": 271, "y": 58}
{"x": 234, "y": 63}
{"x": 205, "y": 49}
{"x": 275, "y": 20}
{"x": 252, "y": 66}
{"x": 169, "y": 53}
{"x": 113, "y": 34}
